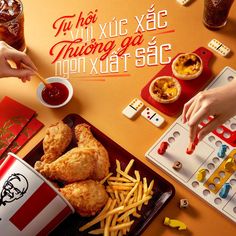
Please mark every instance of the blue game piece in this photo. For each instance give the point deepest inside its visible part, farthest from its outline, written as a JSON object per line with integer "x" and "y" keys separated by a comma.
{"x": 222, "y": 151}
{"x": 225, "y": 190}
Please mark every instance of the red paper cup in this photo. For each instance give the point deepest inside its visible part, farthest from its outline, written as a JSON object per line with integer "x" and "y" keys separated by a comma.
{"x": 29, "y": 204}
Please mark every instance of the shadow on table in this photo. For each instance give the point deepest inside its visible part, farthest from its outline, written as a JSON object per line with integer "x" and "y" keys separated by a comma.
{"x": 229, "y": 29}
{"x": 46, "y": 69}
{"x": 173, "y": 211}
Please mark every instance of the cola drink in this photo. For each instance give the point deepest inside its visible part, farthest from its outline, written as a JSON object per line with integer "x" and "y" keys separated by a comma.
{"x": 216, "y": 13}
{"x": 12, "y": 23}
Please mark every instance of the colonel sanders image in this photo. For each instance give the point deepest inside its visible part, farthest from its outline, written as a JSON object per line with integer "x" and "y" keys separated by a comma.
{"x": 14, "y": 188}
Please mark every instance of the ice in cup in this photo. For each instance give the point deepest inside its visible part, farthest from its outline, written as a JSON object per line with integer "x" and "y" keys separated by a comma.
{"x": 12, "y": 23}
{"x": 216, "y": 13}
{"x": 29, "y": 204}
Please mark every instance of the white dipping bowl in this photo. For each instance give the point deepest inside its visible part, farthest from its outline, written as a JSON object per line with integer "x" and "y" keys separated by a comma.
{"x": 55, "y": 80}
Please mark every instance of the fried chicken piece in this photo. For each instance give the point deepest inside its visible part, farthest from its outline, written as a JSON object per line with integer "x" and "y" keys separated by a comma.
{"x": 87, "y": 197}
{"x": 77, "y": 164}
{"x": 86, "y": 140}
{"x": 56, "y": 140}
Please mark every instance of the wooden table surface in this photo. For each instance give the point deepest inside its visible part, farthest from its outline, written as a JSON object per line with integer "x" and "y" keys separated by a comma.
{"x": 101, "y": 102}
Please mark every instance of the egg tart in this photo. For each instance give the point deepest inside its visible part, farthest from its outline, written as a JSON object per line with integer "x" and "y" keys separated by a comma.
{"x": 165, "y": 89}
{"x": 187, "y": 66}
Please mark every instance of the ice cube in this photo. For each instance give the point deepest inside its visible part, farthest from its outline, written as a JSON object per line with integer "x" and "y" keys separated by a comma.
{"x": 11, "y": 12}
{"x": 2, "y": 5}
{"x": 10, "y": 3}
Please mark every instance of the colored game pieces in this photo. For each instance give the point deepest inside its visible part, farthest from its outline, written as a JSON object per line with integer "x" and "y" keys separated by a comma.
{"x": 230, "y": 164}
{"x": 201, "y": 174}
{"x": 175, "y": 223}
{"x": 191, "y": 147}
{"x": 225, "y": 190}
{"x": 162, "y": 149}
{"x": 222, "y": 151}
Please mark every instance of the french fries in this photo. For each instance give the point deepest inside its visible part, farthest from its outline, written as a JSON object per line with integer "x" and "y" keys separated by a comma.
{"x": 127, "y": 195}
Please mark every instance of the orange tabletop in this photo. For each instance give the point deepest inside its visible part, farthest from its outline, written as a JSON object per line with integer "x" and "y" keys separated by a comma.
{"x": 100, "y": 100}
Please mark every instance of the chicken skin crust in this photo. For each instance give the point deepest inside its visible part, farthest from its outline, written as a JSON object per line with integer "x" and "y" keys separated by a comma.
{"x": 56, "y": 140}
{"x": 87, "y": 197}
{"x": 77, "y": 164}
{"x": 85, "y": 139}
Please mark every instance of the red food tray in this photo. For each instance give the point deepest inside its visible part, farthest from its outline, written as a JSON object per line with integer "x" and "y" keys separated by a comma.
{"x": 189, "y": 88}
{"x": 163, "y": 190}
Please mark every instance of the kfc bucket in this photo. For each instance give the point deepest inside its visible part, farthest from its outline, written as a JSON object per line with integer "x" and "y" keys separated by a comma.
{"x": 29, "y": 204}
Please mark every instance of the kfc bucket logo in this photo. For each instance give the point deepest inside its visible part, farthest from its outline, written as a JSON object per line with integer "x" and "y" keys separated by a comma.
{"x": 13, "y": 189}
{"x": 29, "y": 205}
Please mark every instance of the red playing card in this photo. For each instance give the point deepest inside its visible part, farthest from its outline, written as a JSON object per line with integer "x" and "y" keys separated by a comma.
{"x": 26, "y": 134}
{"x": 13, "y": 118}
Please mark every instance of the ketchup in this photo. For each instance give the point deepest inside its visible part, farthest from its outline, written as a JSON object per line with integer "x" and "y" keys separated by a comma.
{"x": 55, "y": 94}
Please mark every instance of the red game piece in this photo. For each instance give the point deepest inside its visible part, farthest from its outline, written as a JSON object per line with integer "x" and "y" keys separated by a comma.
{"x": 190, "y": 148}
{"x": 162, "y": 149}
{"x": 196, "y": 140}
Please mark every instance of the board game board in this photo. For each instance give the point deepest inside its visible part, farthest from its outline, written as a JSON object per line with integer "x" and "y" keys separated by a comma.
{"x": 204, "y": 157}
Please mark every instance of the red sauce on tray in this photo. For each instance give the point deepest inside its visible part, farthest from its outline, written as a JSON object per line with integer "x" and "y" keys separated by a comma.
{"x": 55, "y": 94}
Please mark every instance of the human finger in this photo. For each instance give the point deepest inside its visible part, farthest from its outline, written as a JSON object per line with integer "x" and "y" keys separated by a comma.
{"x": 213, "y": 124}
{"x": 199, "y": 116}
{"x": 186, "y": 107}
{"x": 190, "y": 110}
{"x": 25, "y": 79}
{"x": 11, "y": 72}
{"x": 20, "y": 57}
{"x": 27, "y": 61}
{"x": 193, "y": 132}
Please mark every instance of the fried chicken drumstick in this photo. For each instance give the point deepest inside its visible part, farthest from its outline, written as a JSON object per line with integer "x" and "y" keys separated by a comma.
{"x": 77, "y": 164}
{"x": 85, "y": 139}
{"x": 55, "y": 142}
{"x": 87, "y": 197}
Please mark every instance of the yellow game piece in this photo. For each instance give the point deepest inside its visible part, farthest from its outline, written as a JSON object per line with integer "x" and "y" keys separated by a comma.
{"x": 221, "y": 169}
{"x": 175, "y": 223}
{"x": 201, "y": 174}
{"x": 229, "y": 165}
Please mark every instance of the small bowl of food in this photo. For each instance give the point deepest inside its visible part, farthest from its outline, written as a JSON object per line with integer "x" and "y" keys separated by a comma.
{"x": 57, "y": 93}
{"x": 165, "y": 89}
{"x": 187, "y": 66}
